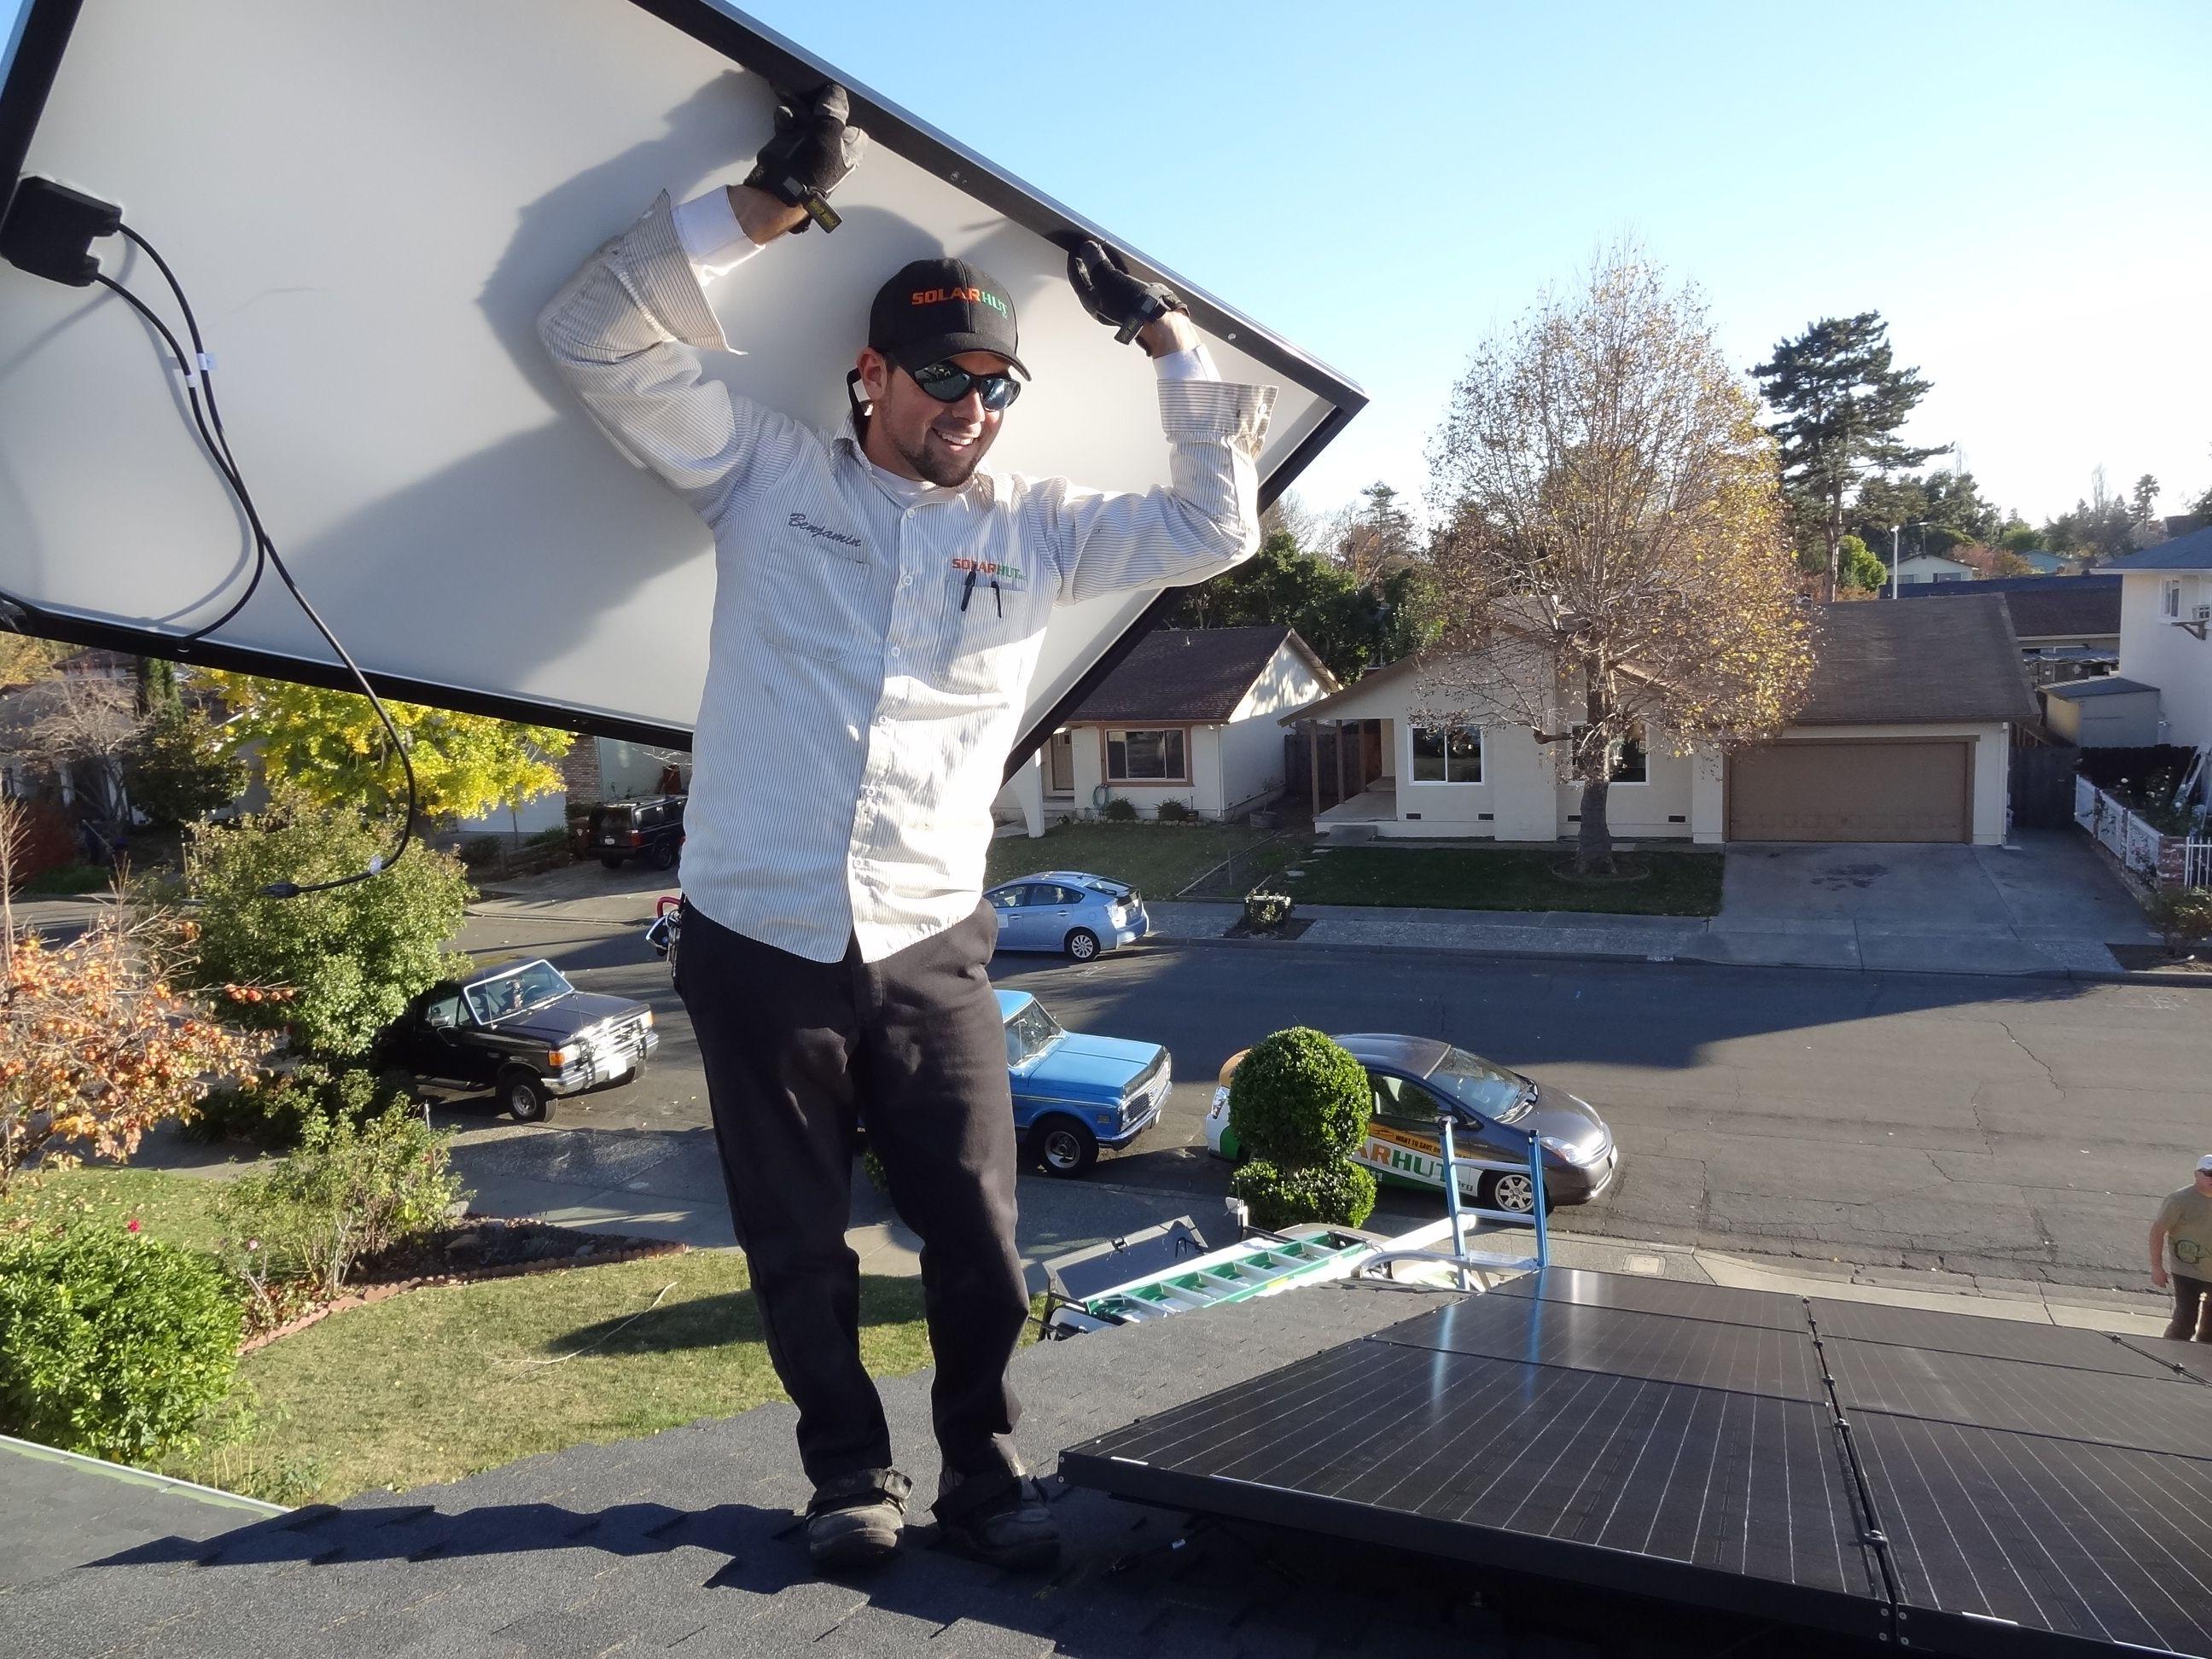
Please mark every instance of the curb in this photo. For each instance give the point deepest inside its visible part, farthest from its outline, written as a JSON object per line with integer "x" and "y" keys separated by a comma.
{"x": 1473, "y": 952}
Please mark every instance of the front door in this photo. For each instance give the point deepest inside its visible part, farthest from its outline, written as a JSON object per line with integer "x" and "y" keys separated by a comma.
{"x": 1060, "y": 764}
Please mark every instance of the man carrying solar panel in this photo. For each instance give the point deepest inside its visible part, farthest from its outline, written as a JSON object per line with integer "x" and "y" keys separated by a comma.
{"x": 879, "y": 605}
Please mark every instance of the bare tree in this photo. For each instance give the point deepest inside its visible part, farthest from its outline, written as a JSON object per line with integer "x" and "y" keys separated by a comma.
{"x": 93, "y": 723}
{"x": 1612, "y": 566}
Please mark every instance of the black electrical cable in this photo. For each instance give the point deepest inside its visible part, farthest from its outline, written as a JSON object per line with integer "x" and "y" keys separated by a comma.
{"x": 198, "y": 373}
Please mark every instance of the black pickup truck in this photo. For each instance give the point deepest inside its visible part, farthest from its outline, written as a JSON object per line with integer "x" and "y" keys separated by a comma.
{"x": 522, "y": 1030}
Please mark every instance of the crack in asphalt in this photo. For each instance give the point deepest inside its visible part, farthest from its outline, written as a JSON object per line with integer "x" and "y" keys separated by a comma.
{"x": 2014, "y": 1038}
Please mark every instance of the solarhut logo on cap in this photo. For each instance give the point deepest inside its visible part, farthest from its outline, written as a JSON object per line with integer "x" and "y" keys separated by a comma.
{"x": 974, "y": 296}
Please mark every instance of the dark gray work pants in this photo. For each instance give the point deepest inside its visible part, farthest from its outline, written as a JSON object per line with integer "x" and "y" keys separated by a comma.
{"x": 797, "y": 1053}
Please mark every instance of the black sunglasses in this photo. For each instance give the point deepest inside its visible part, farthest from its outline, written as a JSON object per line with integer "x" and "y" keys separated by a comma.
{"x": 949, "y": 383}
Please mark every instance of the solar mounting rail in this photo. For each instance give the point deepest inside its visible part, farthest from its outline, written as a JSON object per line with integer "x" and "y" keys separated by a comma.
{"x": 1922, "y": 1481}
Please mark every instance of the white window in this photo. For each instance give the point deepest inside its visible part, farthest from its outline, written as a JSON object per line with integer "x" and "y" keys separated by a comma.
{"x": 1447, "y": 754}
{"x": 1146, "y": 756}
{"x": 2169, "y": 600}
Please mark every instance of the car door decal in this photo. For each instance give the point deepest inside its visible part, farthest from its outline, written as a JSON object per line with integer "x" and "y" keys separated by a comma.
{"x": 1408, "y": 1154}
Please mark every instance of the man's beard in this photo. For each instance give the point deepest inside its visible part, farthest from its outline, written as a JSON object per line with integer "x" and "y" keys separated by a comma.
{"x": 947, "y": 471}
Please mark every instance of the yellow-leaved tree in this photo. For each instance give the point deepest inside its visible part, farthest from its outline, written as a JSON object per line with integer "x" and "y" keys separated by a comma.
{"x": 1611, "y": 562}
{"x": 332, "y": 746}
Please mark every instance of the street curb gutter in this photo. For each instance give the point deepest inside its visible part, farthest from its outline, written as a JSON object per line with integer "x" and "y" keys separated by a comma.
{"x": 2076, "y": 975}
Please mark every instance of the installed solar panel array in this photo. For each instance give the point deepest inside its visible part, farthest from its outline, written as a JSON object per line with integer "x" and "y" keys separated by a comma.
{"x": 1948, "y": 1482}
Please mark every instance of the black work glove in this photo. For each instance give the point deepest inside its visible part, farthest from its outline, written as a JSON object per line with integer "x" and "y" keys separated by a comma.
{"x": 814, "y": 148}
{"x": 1123, "y": 302}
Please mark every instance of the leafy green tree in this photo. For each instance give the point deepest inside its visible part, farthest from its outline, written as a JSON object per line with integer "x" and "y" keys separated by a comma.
{"x": 1842, "y": 400}
{"x": 332, "y": 746}
{"x": 178, "y": 770}
{"x": 346, "y": 960}
{"x": 1858, "y": 569}
{"x": 2102, "y": 526}
{"x": 1349, "y": 626}
{"x": 2018, "y": 537}
{"x": 24, "y": 660}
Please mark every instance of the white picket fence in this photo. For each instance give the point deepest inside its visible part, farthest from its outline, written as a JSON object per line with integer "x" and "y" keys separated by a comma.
{"x": 2196, "y": 864}
{"x": 2125, "y": 835}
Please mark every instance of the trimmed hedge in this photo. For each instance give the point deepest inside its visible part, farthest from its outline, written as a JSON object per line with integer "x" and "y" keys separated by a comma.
{"x": 1299, "y": 1099}
{"x": 1339, "y": 1193}
{"x": 111, "y": 1343}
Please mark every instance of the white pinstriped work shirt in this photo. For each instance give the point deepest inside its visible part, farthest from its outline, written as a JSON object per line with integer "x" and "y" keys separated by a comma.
{"x": 855, "y": 717}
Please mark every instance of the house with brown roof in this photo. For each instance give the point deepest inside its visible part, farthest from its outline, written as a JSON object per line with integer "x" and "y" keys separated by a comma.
{"x": 2069, "y": 627}
{"x": 1904, "y": 736}
{"x": 1189, "y": 715}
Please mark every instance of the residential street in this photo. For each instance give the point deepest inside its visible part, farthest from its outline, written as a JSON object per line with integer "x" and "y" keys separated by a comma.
{"x": 1996, "y": 1126}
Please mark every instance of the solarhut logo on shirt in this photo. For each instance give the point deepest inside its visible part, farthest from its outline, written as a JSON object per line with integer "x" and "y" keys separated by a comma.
{"x": 990, "y": 569}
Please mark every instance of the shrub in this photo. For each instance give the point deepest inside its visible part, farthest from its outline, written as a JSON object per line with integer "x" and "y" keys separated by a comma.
{"x": 349, "y": 1190}
{"x": 1172, "y": 810}
{"x": 2183, "y": 915}
{"x": 1265, "y": 912}
{"x": 480, "y": 850}
{"x": 351, "y": 957}
{"x": 272, "y": 1108}
{"x": 95, "y": 1046}
{"x": 1298, "y": 1099}
{"x": 1118, "y": 810}
{"x": 1338, "y": 1192}
{"x": 111, "y": 1344}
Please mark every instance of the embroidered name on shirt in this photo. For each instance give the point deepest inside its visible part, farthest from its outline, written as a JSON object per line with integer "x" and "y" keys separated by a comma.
{"x": 801, "y": 521}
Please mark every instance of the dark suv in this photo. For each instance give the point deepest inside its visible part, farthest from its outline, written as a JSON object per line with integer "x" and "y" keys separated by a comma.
{"x": 650, "y": 830}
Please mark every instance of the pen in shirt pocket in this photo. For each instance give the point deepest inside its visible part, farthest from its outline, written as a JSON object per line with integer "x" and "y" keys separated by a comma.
{"x": 968, "y": 591}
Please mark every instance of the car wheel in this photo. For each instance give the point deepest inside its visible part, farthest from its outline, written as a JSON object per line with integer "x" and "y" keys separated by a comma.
{"x": 1082, "y": 945}
{"x": 524, "y": 1096}
{"x": 1061, "y": 1147}
{"x": 1511, "y": 1191}
{"x": 612, "y": 864}
{"x": 663, "y": 856}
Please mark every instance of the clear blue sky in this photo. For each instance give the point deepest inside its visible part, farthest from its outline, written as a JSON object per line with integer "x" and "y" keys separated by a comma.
{"x": 2024, "y": 191}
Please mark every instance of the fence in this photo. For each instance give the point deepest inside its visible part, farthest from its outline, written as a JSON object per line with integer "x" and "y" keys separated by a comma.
{"x": 2159, "y": 859}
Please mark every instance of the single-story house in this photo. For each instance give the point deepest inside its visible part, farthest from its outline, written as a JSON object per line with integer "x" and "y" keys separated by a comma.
{"x": 2166, "y": 632}
{"x": 1904, "y": 736}
{"x": 1189, "y": 715}
{"x": 2047, "y": 564}
{"x": 2069, "y": 627}
{"x": 2110, "y": 711}
{"x": 1915, "y": 568}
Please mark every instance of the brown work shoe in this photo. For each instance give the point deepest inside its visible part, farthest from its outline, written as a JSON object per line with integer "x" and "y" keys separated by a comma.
{"x": 854, "y": 1521}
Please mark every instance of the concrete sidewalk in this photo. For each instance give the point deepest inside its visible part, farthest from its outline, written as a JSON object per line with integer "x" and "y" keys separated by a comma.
{"x": 660, "y": 1184}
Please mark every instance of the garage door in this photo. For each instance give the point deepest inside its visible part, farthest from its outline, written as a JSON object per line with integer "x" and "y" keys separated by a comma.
{"x": 1852, "y": 791}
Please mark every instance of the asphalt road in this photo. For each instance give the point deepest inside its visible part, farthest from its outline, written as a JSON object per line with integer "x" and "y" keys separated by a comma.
{"x": 2002, "y": 1128}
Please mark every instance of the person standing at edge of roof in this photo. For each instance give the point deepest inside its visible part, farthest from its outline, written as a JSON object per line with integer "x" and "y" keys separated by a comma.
{"x": 880, "y": 600}
{"x": 2181, "y": 1255}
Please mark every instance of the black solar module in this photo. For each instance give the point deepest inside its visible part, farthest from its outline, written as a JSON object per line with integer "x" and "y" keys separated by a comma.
{"x": 2151, "y": 1413}
{"x": 1998, "y": 1338}
{"x": 1638, "y": 1294}
{"x": 2190, "y": 1359}
{"x": 1944, "y": 1482}
{"x": 1747, "y": 1358}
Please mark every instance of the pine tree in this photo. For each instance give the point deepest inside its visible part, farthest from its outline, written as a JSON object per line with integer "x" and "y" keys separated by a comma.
{"x": 1842, "y": 400}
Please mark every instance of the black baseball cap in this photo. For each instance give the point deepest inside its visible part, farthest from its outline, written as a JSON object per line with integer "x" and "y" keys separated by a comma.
{"x": 933, "y": 309}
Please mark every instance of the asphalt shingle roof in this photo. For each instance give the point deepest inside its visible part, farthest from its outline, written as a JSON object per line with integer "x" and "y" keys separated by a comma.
{"x": 2111, "y": 685}
{"x": 2189, "y": 552}
{"x": 1877, "y": 663}
{"x": 1188, "y": 674}
{"x": 2042, "y": 607}
{"x": 690, "y": 1537}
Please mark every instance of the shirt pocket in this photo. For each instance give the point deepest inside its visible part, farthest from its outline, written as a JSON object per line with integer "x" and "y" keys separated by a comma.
{"x": 988, "y": 627}
{"x": 810, "y": 592}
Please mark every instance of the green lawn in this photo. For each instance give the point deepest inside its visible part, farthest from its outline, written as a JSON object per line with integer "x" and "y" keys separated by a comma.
{"x": 1681, "y": 883}
{"x": 1159, "y": 860}
{"x": 441, "y": 1382}
{"x": 69, "y": 878}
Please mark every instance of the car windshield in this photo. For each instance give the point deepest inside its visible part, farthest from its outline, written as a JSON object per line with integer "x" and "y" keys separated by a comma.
{"x": 532, "y": 985}
{"x": 1030, "y": 1033}
{"x": 1492, "y": 1091}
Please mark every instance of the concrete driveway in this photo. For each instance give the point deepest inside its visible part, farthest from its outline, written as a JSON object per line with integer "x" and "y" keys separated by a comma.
{"x": 2047, "y": 901}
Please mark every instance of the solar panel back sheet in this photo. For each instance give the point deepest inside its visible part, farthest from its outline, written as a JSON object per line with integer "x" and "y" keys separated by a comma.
{"x": 1950, "y": 1483}
{"x": 369, "y": 204}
